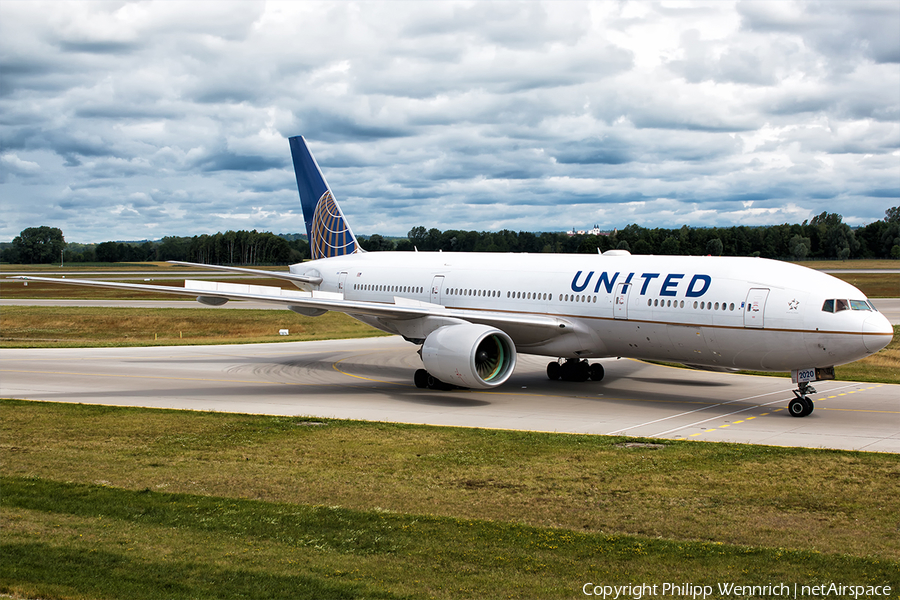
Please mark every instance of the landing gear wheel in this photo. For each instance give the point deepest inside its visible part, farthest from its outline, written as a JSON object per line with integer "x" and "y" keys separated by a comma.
{"x": 554, "y": 370}
{"x": 583, "y": 371}
{"x": 800, "y": 406}
{"x": 421, "y": 379}
{"x": 597, "y": 372}
{"x": 433, "y": 383}
{"x": 809, "y": 405}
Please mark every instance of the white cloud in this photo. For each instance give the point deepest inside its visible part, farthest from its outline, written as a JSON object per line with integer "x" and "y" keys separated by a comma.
{"x": 16, "y": 165}
{"x": 165, "y": 118}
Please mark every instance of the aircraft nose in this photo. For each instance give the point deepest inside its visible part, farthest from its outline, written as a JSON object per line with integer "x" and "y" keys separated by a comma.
{"x": 877, "y": 332}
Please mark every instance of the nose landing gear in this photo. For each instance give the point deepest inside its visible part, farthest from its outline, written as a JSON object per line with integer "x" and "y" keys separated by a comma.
{"x": 802, "y": 406}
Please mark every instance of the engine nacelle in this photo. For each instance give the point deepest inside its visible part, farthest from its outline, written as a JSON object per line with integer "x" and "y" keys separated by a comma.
{"x": 469, "y": 355}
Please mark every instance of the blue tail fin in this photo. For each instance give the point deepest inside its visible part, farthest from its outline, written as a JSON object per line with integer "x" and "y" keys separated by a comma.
{"x": 328, "y": 231}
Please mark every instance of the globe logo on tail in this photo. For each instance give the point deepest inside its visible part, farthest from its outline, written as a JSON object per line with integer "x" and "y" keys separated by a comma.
{"x": 330, "y": 235}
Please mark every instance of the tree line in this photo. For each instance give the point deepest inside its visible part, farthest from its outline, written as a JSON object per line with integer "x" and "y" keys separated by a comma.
{"x": 42, "y": 245}
{"x": 825, "y": 236}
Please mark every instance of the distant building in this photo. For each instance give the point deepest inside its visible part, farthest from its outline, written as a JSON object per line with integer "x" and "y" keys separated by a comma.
{"x": 595, "y": 231}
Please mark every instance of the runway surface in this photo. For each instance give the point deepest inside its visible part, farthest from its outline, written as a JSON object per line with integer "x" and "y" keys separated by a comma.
{"x": 371, "y": 379}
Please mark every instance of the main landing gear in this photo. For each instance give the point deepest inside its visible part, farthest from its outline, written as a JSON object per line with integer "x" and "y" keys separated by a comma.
{"x": 802, "y": 406}
{"x": 574, "y": 370}
{"x": 423, "y": 379}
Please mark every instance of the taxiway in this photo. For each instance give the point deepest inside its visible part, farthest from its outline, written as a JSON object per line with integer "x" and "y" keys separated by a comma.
{"x": 371, "y": 379}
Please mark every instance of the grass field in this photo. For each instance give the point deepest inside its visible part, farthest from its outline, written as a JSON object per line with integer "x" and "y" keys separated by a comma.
{"x": 102, "y": 502}
{"x": 850, "y": 265}
{"x": 55, "y": 327}
{"x": 874, "y": 285}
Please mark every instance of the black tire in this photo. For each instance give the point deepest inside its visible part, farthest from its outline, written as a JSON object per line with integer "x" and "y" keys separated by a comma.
{"x": 797, "y": 408}
{"x": 421, "y": 379}
{"x": 809, "y": 405}
{"x": 597, "y": 372}
{"x": 582, "y": 371}
{"x": 554, "y": 371}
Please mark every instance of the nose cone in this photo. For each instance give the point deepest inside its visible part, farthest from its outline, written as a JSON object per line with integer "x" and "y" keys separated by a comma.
{"x": 877, "y": 332}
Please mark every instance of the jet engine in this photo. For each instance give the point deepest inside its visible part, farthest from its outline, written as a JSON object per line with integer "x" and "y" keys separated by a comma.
{"x": 469, "y": 355}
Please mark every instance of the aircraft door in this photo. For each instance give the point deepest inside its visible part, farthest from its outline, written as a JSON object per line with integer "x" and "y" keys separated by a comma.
{"x": 620, "y": 308}
{"x": 341, "y": 281}
{"x": 436, "y": 284}
{"x": 755, "y": 308}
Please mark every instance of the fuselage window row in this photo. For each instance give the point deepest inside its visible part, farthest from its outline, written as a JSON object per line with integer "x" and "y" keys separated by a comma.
{"x": 656, "y": 302}
{"x": 400, "y": 289}
{"x": 577, "y": 298}
{"x": 471, "y": 292}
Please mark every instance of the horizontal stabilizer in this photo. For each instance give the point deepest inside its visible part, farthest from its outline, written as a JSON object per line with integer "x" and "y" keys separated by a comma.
{"x": 260, "y": 272}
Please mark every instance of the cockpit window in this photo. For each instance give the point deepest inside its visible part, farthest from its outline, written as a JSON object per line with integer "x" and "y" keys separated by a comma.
{"x": 860, "y": 305}
{"x": 839, "y": 304}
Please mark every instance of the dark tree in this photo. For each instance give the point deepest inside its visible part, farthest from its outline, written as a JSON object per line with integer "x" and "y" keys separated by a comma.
{"x": 39, "y": 245}
{"x": 377, "y": 243}
{"x": 715, "y": 247}
{"x": 892, "y": 215}
{"x": 109, "y": 252}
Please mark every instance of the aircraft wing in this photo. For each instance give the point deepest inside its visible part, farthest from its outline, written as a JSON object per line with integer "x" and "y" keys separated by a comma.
{"x": 529, "y": 328}
{"x": 272, "y": 274}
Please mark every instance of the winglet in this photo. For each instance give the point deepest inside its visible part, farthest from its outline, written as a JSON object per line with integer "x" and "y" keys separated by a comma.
{"x": 328, "y": 231}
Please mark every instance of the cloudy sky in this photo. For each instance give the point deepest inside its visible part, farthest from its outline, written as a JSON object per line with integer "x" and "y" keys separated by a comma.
{"x": 137, "y": 120}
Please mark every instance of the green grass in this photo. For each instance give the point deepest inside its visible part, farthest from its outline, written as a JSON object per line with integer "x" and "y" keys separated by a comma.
{"x": 207, "y": 505}
{"x": 59, "y": 327}
{"x": 82, "y": 266}
{"x": 149, "y": 544}
{"x": 850, "y": 265}
{"x": 874, "y": 285}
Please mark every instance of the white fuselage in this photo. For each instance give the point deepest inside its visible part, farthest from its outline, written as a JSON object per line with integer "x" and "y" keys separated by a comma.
{"x": 719, "y": 312}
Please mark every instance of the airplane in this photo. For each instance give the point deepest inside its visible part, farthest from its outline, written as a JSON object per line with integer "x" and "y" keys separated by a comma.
{"x": 471, "y": 314}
